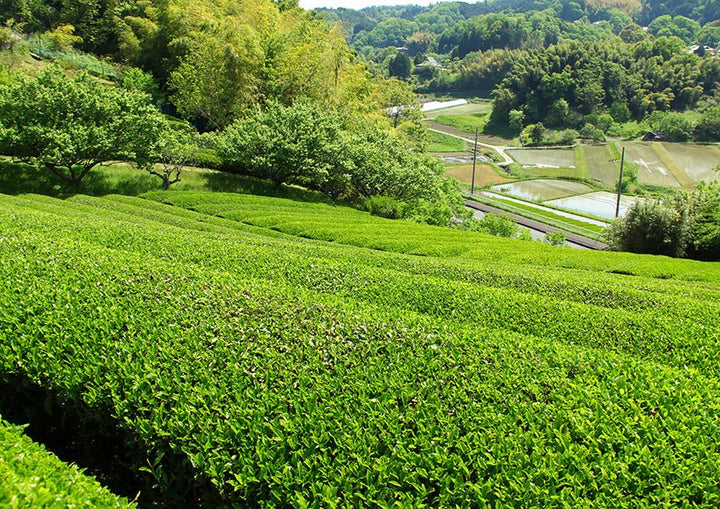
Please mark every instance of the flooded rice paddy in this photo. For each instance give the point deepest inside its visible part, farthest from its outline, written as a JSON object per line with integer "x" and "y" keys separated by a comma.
{"x": 662, "y": 164}
{"x": 698, "y": 161}
{"x": 599, "y": 203}
{"x": 539, "y": 158}
{"x": 602, "y": 164}
{"x": 542, "y": 190}
{"x": 651, "y": 169}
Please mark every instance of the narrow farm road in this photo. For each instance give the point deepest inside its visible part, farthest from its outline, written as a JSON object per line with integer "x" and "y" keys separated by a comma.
{"x": 497, "y": 148}
{"x": 573, "y": 239}
{"x": 526, "y": 203}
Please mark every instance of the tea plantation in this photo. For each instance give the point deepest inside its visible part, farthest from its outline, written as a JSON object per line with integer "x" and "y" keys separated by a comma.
{"x": 255, "y": 351}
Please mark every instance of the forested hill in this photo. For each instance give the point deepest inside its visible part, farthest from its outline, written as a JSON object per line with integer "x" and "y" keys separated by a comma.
{"x": 438, "y": 17}
{"x": 564, "y": 64}
{"x": 246, "y": 86}
{"x": 213, "y": 59}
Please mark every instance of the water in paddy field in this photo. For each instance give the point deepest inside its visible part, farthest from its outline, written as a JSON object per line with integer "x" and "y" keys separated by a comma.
{"x": 544, "y": 158}
{"x": 463, "y": 159}
{"x": 698, "y": 161}
{"x": 600, "y": 203}
{"x": 542, "y": 190}
{"x": 601, "y": 164}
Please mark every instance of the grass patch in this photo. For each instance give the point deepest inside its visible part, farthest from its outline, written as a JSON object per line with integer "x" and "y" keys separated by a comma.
{"x": 581, "y": 168}
{"x": 75, "y": 59}
{"x": 440, "y": 142}
{"x": 122, "y": 178}
{"x": 466, "y": 122}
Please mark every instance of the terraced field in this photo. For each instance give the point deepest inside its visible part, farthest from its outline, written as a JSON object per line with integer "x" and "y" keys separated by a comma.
{"x": 259, "y": 351}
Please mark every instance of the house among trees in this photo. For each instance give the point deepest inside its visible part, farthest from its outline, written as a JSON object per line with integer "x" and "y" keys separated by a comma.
{"x": 653, "y": 136}
{"x": 702, "y": 50}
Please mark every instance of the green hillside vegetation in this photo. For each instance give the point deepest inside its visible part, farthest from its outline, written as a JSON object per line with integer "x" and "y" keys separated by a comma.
{"x": 235, "y": 80}
{"x": 30, "y": 476}
{"x": 89, "y": 124}
{"x": 261, "y": 367}
{"x": 589, "y": 66}
{"x": 439, "y": 142}
{"x": 189, "y": 275}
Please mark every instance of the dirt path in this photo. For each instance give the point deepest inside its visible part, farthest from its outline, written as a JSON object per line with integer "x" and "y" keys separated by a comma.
{"x": 456, "y": 133}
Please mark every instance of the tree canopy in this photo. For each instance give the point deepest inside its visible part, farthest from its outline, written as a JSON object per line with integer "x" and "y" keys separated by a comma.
{"x": 69, "y": 125}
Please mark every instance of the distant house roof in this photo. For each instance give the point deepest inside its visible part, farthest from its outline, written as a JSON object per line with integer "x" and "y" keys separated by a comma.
{"x": 434, "y": 62}
{"x": 653, "y": 136}
{"x": 695, "y": 48}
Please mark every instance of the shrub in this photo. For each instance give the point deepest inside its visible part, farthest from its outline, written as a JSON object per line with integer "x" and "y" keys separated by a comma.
{"x": 564, "y": 137}
{"x": 674, "y": 126}
{"x": 651, "y": 227}
{"x": 556, "y": 238}
{"x": 591, "y": 132}
{"x": 708, "y": 129}
{"x": 495, "y": 224}
{"x": 384, "y": 206}
{"x": 533, "y": 134}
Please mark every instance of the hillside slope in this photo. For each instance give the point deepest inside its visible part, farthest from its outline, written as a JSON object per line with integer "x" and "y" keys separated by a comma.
{"x": 302, "y": 354}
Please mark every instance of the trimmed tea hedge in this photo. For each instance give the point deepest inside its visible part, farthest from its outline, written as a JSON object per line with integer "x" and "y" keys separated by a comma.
{"x": 32, "y": 477}
{"x": 290, "y": 371}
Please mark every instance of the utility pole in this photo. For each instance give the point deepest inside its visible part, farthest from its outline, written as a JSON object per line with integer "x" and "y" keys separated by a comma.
{"x": 472, "y": 185}
{"x": 619, "y": 191}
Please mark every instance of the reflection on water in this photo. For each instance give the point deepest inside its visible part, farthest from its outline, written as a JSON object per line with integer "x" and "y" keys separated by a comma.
{"x": 601, "y": 203}
{"x": 541, "y": 190}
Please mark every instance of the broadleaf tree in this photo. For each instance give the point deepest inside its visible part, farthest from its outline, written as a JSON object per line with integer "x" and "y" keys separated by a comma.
{"x": 297, "y": 144}
{"x": 175, "y": 150}
{"x": 70, "y": 124}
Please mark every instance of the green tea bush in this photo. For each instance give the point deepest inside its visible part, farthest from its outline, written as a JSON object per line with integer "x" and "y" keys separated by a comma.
{"x": 30, "y": 476}
{"x": 285, "y": 370}
{"x": 384, "y": 206}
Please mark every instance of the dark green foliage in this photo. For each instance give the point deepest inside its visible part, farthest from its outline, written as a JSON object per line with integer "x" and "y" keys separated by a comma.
{"x": 298, "y": 144}
{"x": 651, "y": 227}
{"x": 572, "y": 79}
{"x": 308, "y": 145}
{"x": 708, "y": 127}
{"x": 619, "y": 111}
{"x": 556, "y": 238}
{"x": 706, "y": 222}
{"x": 384, "y": 206}
{"x": 589, "y": 131}
{"x": 498, "y": 225}
{"x": 516, "y": 119}
{"x": 400, "y": 66}
{"x": 677, "y": 26}
{"x": 702, "y": 11}
{"x": 533, "y": 134}
{"x": 673, "y": 126}
{"x": 630, "y": 179}
{"x": 683, "y": 225}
